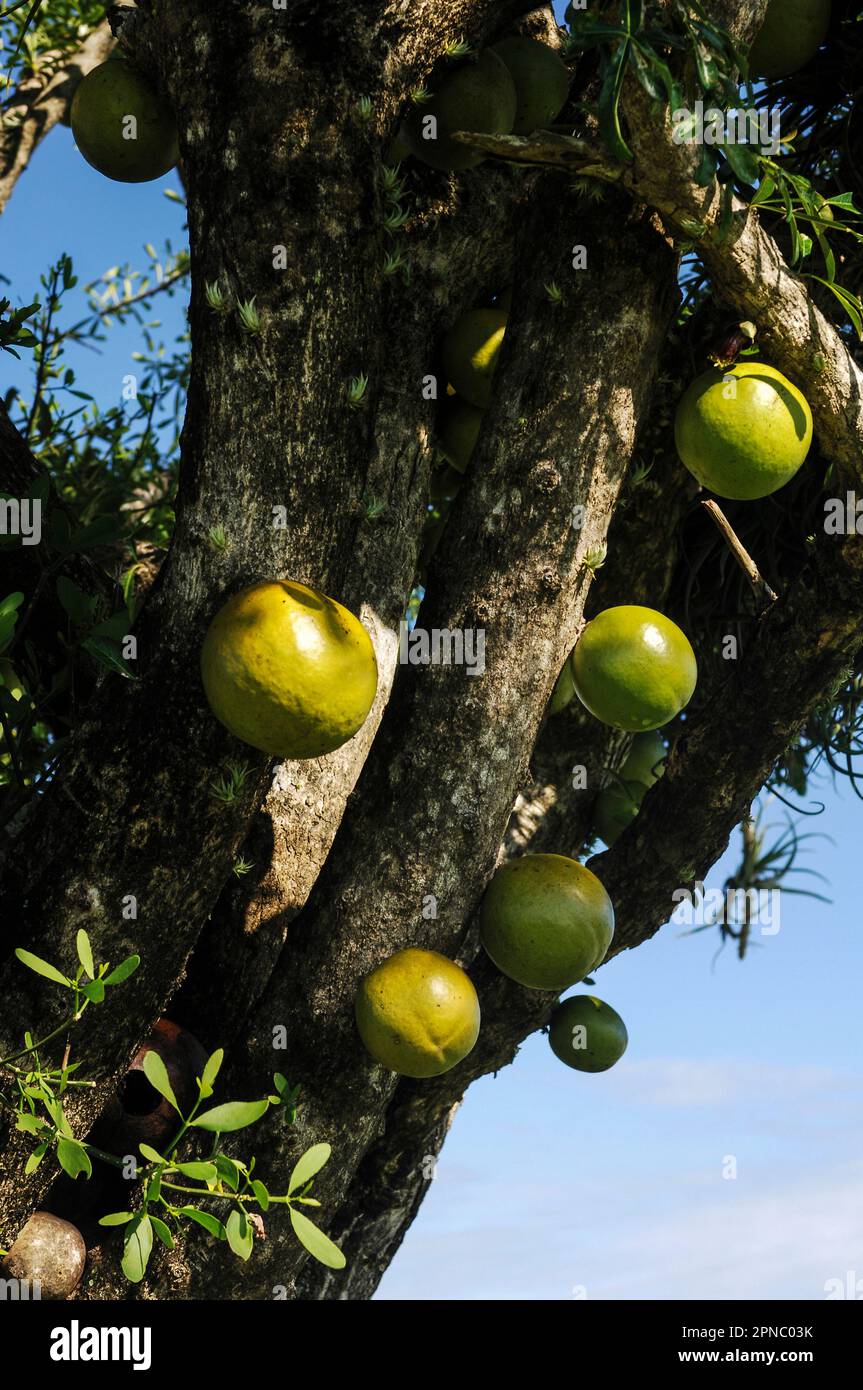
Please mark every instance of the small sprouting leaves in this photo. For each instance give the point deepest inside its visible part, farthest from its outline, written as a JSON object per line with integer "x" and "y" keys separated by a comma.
{"x": 356, "y": 390}
{"x": 311, "y": 1162}
{"x": 215, "y": 296}
{"x": 230, "y": 784}
{"x": 157, "y": 1074}
{"x": 554, "y": 292}
{"x": 317, "y": 1244}
{"x": 234, "y": 1115}
{"x": 457, "y": 48}
{"x": 249, "y": 316}
{"x": 217, "y": 538}
{"x": 364, "y": 108}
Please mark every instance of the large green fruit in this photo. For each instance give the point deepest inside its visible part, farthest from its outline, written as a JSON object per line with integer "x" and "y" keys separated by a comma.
{"x": 645, "y": 760}
{"x": 743, "y": 438}
{"x": 546, "y": 921}
{"x": 541, "y": 82}
{"x": 121, "y": 124}
{"x": 470, "y": 352}
{"x": 564, "y": 690}
{"x": 633, "y": 668}
{"x": 792, "y": 33}
{"x": 417, "y": 1013}
{"x": 478, "y": 96}
{"x": 288, "y": 670}
{"x": 458, "y": 430}
{"x": 587, "y": 1034}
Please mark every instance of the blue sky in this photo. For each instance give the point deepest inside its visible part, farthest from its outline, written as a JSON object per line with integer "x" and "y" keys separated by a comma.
{"x": 552, "y": 1184}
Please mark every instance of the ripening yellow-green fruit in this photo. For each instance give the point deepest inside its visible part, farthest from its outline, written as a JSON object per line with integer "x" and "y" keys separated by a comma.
{"x": 288, "y": 670}
{"x": 633, "y": 668}
{"x": 470, "y": 352}
{"x": 478, "y": 96}
{"x": 417, "y": 1013}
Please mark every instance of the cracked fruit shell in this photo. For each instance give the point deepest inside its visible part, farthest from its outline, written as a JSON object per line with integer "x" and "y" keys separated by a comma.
{"x": 122, "y": 125}
{"x": 470, "y": 353}
{"x": 633, "y": 668}
{"x": 288, "y": 670}
{"x": 587, "y": 1034}
{"x": 417, "y": 1013}
{"x": 747, "y": 439}
{"x": 479, "y": 96}
{"x": 792, "y": 33}
{"x": 48, "y": 1250}
{"x": 541, "y": 82}
{"x": 546, "y": 921}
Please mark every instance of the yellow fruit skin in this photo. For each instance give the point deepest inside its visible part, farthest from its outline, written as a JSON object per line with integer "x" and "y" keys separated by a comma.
{"x": 604, "y": 1035}
{"x": 541, "y": 82}
{"x": 478, "y": 96}
{"x": 418, "y": 1013}
{"x": 633, "y": 668}
{"x": 288, "y": 670}
{"x": 546, "y": 921}
{"x": 792, "y": 33}
{"x": 747, "y": 445}
{"x": 470, "y": 352}
{"x": 107, "y": 96}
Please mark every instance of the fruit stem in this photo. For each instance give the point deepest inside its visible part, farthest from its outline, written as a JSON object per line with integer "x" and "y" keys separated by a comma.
{"x": 764, "y": 595}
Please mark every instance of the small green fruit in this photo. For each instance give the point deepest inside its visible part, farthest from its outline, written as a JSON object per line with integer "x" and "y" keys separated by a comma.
{"x": 478, "y": 96}
{"x": 645, "y": 761}
{"x": 633, "y": 668}
{"x": 541, "y": 82}
{"x": 587, "y": 1034}
{"x": 122, "y": 125}
{"x": 546, "y": 921}
{"x": 470, "y": 353}
{"x": 616, "y": 808}
{"x": 564, "y": 690}
{"x": 743, "y": 433}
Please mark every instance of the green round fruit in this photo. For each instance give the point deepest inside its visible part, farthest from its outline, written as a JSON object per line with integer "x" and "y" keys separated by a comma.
{"x": 743, "y": 433}
{"x": 645, "y": 761}
{"x": 122, "y": 125}
{"x": 288, "y": 670}
{"x": 633, "y": 668}
{"x": 417, "y": 1013}
{"x": 564, "y": 690}
{"x": 587, "y": 1034}
{"x": 470, "y": 353}
{"x": 541, "y": 82}
{"x": 792, "y": 33}
{"x": 616, "y": 808}
{"x": 546, "y": 921}
{"x": 478, "y": 96}
{"x": 459, "y": 430}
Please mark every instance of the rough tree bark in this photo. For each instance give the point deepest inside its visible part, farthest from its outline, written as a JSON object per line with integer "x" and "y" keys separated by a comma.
{"x": 277, "y": 152}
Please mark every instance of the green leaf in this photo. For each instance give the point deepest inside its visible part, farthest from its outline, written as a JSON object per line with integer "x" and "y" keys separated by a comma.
{"x": 236, "y": 1114}
{"x": 228, "y": 1171}
{"x": 743, "y": 162}
{"x": 122, "y": 971}
{"x": 77, "y": 604}
{"x": 311, "y": 1162}
{"x": 116, "y": 627}
{"x": 11, "y": 603}
{"x": 101, "y": 531}
{"x": 157, "y": 1074}
{"x": 851, "y": 303}
{"x": 36, "y": 1157}
{"x": 262, "y": 1194}
{"x": 137, "y": 1248}
{"x": 240, "y": 1235}
{"x": 204, "y": 1218}
{"x": 211, "y": 1071}
{"x": 109, "y": 654}
{"x": 29, "y": 1124}
{"x": 73, "y": 1158}
{"x": 94, "y": 991}
{"x": 41, "y": 967}
{"x": 201, "y": 1172}
{"x": 85, "y": 953}
{"x": 609, "y": 105}
{"x": 117, "y": 1218}
{"x": 317, "y": 1244}
{"x": 162, "y": 1231}
{"x": 150, "y": 1153}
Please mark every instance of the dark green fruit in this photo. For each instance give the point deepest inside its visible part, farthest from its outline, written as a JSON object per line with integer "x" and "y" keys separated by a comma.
{"x": 615, "y": 808}
{"x": 587, "y": 1034}
{"x": 541, "y": 82}
{"x": 122, "y": 126}
{"x": 564, "y": 690}
{"x": 478, "y": 96}
{"x": 458, "y": 430}
{"x": 645, "y": 761}
{"x": 470, "y": 352}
